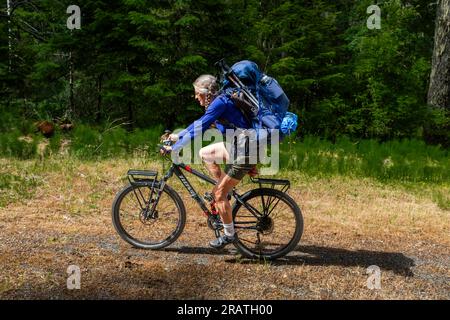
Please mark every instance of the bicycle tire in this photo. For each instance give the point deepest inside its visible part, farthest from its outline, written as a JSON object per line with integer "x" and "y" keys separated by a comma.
{"x": 282, "y": 196}
{"x": 124, "y": 234}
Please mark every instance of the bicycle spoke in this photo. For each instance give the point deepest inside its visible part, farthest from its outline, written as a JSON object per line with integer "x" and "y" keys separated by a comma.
{"x": 247, "y": 205}
{"x": 269, "y": 202}
{"x": 273, "y": 207}
{"x": 263, "y": 203}
{"x": 247, "y": 241}
{"x": 252, "y": 216}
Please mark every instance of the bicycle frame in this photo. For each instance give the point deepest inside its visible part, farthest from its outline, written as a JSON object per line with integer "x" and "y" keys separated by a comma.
{"x": 177, "y": 169}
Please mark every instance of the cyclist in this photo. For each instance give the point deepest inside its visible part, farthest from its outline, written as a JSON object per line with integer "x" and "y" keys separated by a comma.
{"x": 221, "y": 112}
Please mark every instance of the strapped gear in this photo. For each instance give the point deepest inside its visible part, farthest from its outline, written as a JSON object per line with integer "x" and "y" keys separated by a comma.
{"x": 259, "y": 97}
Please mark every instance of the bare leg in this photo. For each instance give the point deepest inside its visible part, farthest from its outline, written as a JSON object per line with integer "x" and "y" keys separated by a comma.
{"x": 222, "y": 203}
{"x": 211, "y": 155}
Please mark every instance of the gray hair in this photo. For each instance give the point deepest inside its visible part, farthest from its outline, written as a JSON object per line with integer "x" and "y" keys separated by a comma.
{"x": 207, "y": 84}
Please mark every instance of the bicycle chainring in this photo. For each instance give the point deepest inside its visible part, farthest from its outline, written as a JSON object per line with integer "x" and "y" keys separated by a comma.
{"x": 214, "y": 222}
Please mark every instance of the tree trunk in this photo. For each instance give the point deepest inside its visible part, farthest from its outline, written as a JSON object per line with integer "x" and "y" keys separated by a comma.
{"x": 439, "y": 90}
{"x": 8, "y": 8}
{"x": 71, "y": 101}
{"x": 98, "y": 112}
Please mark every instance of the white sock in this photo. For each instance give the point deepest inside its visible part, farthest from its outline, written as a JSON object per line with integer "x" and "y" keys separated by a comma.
{"x": 228, "y": 229}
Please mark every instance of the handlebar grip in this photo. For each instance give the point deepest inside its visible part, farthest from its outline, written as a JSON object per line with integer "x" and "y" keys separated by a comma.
{"x": 161, "y": 148}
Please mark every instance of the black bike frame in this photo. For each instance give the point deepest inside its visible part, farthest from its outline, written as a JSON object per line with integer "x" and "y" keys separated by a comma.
{"x": 176, "y": 169}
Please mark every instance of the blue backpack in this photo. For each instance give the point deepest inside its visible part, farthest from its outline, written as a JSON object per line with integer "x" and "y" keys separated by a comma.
{"x": 260, "y": 98}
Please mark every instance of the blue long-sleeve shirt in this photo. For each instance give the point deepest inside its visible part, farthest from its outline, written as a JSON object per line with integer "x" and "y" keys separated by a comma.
{"x": 222, "y": 107}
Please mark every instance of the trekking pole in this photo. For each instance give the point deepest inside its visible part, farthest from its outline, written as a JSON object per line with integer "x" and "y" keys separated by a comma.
{"x": 229, "y": 73}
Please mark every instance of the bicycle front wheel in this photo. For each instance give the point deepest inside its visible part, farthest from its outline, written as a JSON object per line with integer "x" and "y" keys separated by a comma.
{"x": 269, "y": 224}
{"x": 144, "y": 229}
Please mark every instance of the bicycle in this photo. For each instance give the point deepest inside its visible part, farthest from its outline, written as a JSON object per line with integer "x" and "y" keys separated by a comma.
{"x": 159, "y": 207}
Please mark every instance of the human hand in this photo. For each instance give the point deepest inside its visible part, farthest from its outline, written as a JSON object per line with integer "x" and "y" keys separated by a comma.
{"x": 165, "y": 150}
{"x": 173, "y": 137}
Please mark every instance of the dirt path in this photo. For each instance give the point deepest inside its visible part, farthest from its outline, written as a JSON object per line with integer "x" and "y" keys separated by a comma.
{"x": 349, "y": 226}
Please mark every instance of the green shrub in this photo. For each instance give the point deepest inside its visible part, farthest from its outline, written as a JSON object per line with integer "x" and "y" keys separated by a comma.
{"x": 144, "y": 141}
{"x": 13, "y": 144}
{"x": 399, "y": 160}
{"x": 113, "y": 142}
{"x": 85, "y": 142}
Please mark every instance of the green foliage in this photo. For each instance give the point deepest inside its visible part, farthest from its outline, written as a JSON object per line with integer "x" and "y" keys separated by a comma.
{"x": 16, "y": 187}
{"x": 136, "y": 60}
{"x": 442, "y": 200}
{"x": 89, "y": 143}
{"x": 85, "y": 142}
{"x": 397, "y": 160}
{"x": 14, "y": 144}
{"x": 390, "y": 68}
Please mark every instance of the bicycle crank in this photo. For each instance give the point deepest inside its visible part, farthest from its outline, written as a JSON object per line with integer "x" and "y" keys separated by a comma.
{"x": 214, "y": 222}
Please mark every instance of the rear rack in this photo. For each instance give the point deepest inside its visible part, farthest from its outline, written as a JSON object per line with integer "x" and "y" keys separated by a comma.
{"x": 285, "y": 184}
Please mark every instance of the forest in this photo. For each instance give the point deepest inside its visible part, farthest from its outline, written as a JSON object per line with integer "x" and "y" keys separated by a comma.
{"x": 132, "y": 63}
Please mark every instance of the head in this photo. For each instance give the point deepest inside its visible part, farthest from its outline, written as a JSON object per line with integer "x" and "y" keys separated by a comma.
{"x": 206, "y": 88}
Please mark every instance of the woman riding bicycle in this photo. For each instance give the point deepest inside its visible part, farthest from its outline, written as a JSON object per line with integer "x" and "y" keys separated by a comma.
{"x": 221, "y": 111}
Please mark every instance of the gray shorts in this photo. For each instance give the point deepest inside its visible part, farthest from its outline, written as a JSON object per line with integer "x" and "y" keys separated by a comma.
{"x": 241, "y": 163}
{"x": 238, "y": 171}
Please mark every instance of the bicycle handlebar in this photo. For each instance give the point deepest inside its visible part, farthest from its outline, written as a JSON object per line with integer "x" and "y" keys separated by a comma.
{"x": 165, "y": 142}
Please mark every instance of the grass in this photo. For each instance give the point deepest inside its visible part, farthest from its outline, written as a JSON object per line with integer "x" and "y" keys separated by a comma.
{"x": 404, "y": 161}
{"x": 442, "y": 199}
{"x": 17, "y": 187}
{"x": 399, "y": 161}
{"x": 408, "y": 163}
{"x": 418, "y": 168}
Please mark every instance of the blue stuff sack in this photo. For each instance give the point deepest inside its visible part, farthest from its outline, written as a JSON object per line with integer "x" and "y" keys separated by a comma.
{"x": 289, "y": 123}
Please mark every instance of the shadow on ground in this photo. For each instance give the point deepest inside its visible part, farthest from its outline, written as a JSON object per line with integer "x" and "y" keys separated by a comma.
{"x": 323, "y": 256}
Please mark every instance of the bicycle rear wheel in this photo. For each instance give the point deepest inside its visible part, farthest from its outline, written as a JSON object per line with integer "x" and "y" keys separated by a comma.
{"x": 269, "y": 225}
{"x": 144, "y": 229}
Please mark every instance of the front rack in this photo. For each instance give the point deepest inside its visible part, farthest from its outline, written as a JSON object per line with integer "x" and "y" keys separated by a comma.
{"x": 145, "y": 178}
{"x": 140, "y": 177}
